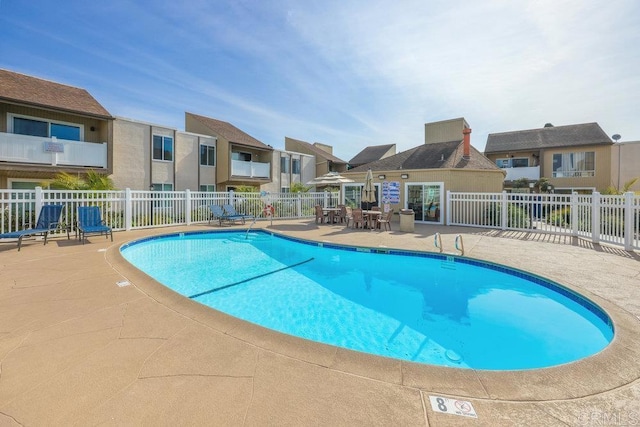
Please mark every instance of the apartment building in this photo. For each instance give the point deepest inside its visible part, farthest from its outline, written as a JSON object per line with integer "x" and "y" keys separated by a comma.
{"x": 573, "y": 157}
{"x": 47, "y": 128}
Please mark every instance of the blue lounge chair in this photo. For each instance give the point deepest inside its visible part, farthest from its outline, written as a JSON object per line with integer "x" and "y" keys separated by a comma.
{"x": 232, "y": 213}
{"x": 217, "y": 213}
{"x": 48, "y": 222}
{"x": 90, "y": 222}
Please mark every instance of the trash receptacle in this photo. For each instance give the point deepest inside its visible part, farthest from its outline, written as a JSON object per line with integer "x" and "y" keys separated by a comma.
{"x": 407, "y": 220}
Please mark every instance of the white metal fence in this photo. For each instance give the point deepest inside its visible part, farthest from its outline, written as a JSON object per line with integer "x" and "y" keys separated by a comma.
{"x": 129, "y": 209}
{"x": 600, "y": 218}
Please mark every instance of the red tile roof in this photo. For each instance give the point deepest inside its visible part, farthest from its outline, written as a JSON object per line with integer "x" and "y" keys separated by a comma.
{"x": 22, "y": 89}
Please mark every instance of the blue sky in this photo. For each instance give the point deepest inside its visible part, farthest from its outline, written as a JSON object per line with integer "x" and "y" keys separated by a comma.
{"x": 347, "y": 73}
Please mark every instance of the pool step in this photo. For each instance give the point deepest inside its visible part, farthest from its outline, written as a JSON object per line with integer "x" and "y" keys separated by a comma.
{"x": 250, "y": 237}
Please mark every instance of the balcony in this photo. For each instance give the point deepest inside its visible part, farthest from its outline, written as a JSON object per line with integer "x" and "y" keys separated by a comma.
{"x": 531, "y": 173}
{"x": 250, "y": 169}
{"x": 15, "y": 148}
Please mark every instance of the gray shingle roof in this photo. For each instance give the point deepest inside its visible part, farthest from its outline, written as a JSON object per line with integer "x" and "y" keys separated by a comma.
{"x": 547, "y": 137}
{"x": 22, "y": 89}
{"x": 370, "y": 154}
{"x": 230, "y": 132}
{"x": 318, "y": 151}
{"x": 441, "y": 155}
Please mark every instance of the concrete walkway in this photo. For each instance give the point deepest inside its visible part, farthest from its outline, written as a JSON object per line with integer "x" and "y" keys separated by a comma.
{"x": 78, "y": 349}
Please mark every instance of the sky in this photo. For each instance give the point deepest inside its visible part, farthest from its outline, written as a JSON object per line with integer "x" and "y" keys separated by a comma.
{"x": 347, "y": 73}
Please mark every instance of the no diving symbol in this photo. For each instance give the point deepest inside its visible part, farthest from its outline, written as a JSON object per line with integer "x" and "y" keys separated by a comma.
{"x": 463, "y": 406}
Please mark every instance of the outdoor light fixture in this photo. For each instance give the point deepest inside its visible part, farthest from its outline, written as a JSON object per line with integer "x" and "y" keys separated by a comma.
{"x": 404, "y": 176}
{"x": 381, "y": 176}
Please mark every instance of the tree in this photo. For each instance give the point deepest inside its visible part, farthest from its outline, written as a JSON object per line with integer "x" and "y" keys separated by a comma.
{"x": 246, "y": 189}
{"x": 91, "y": 181}
{"x": 612, "y": 191}
{"x": 298, "y": 187}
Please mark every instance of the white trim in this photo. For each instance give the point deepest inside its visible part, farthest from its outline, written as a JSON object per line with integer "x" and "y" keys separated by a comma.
{"x": 442, "y": 200}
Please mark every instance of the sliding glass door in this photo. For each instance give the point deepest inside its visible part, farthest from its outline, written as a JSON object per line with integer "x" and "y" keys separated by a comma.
{"x": 425, "y": 198}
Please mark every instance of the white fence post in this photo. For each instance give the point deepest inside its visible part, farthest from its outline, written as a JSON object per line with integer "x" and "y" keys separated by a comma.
{"x": 628, "y": 221}
{"x": 299, "y": 206}
{"x": 574, "y": 213}
{"x": 448, "y": 207}
{"x": 595, "y": 217}
{"x": 39, "y": 201}
{"x": 504, "y": 212}
{"x": 187, "y": 208}
{"x": 128, "y": 211}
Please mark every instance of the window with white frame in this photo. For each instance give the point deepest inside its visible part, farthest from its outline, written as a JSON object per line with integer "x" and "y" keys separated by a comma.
{"x": 574, "y": 165}
{"x": 209, "y": 188}
{"x": 207, "y": 155}
{"x": 295, "y": 166}
{"x": 31, "y": 126}
{"x": 162, "y": 148}
{"x": 285, "y": 190}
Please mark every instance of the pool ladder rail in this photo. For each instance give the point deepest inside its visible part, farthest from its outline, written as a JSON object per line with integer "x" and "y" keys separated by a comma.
{"x": 458, "y": 243}
{"x": 246, "y": 236}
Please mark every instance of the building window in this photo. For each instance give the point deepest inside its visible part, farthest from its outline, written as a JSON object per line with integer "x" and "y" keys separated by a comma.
{"x": 574, "y": 165}
{"x": 285, "y": 190}
{"x": 162, "y": 148}
{"x": 46, "y": 129}
{"x": 208, "y": 188}
{"x": 520, "y": 162}
{"x": 295, "y": 166}
{"x": 207, "y": 155}
{"x": 162, "y": 187}
{"x": 238, "y": 155}
{"x": 515, "y": 162}
{"x": 284, "y": 165}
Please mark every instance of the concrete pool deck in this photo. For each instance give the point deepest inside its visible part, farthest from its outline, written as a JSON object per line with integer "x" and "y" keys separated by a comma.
{"x": 77, "y": 349}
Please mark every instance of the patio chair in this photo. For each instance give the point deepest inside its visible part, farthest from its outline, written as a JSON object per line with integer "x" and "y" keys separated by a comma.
{"x": 231, "y": 212}
{"x": 385, "y": 220}
{"x": 357, "y": 218}
{"x": 90, "y": 222}
{"x": 48, "y": 222}
{"x": 342, "y": 215}
{"x": 320, "y": 214}
{"x": 217, "y": 213}
{"x": 348, "y": 215}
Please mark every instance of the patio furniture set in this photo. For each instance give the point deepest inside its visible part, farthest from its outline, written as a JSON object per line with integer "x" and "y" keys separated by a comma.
{"x": 355, "y": 218}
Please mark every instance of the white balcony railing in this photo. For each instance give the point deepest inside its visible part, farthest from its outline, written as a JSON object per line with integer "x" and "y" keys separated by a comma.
{"x": 250, "y": 169}
{"x": 531, "y": 173}
{"x": 51, "y": 151}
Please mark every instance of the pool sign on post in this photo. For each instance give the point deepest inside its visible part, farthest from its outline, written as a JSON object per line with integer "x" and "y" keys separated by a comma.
{"x": 452, "y": 406}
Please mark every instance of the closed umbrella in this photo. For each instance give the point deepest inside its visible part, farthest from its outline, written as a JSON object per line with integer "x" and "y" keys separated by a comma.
{"x": 369, "y": 190}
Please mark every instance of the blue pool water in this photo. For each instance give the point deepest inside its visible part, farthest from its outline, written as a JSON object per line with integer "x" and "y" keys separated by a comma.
{"x": 427, "y": 308}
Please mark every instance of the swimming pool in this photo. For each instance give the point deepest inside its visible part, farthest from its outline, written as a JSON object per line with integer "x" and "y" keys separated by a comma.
{"x": 423, "y": 307}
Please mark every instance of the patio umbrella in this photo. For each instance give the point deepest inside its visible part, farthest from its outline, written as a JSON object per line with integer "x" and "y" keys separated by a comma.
{"x": 369, "y": 190}
{"x": 331, "y": 178}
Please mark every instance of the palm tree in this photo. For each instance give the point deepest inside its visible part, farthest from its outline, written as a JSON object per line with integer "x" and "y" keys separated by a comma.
{"x": 92, "y": 181}
{"x": 611, "y": 190}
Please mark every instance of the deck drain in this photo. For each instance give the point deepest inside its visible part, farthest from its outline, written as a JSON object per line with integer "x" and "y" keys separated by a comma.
{"x": 123, "y": 283}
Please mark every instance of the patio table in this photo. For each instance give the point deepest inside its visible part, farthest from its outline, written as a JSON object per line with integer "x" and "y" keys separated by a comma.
{"x": 371, "y": 216}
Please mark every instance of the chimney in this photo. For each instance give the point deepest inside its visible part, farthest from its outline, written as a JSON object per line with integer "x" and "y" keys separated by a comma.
{"x": 467, "y": 143}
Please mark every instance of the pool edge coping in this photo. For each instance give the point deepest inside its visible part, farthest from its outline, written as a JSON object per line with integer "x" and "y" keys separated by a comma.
{"x": 598, "y": 373}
